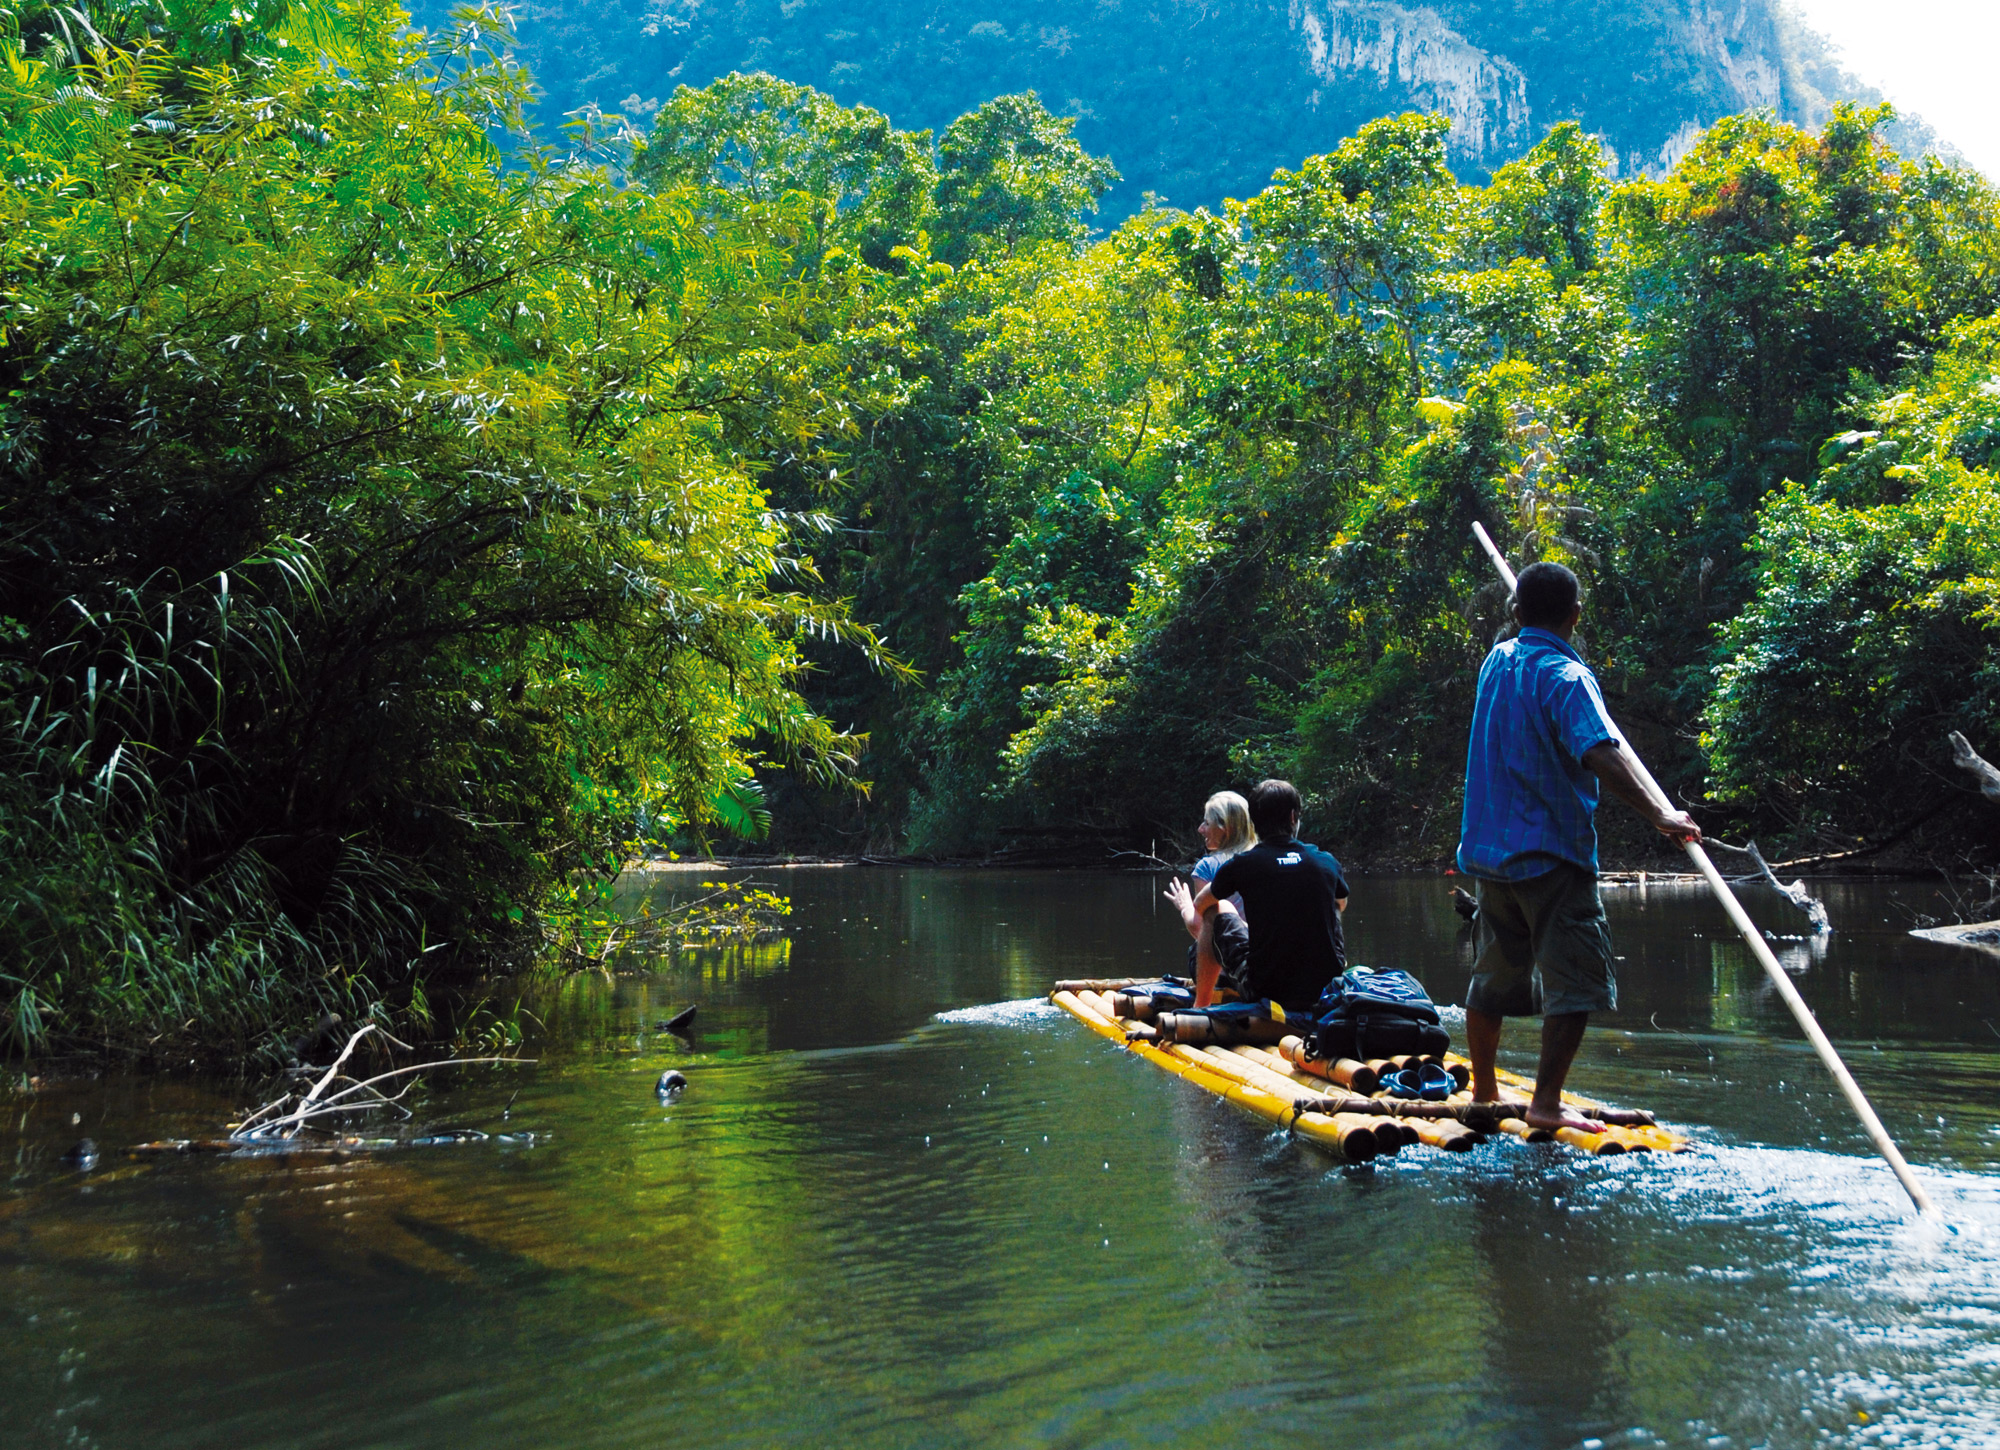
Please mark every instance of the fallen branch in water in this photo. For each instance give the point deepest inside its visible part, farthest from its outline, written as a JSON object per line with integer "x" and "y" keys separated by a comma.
{"x": 1796, "y": 893}
{"x": 283, "y": 1118}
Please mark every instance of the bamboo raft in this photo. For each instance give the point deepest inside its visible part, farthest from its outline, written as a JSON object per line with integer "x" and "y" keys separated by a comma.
{"x": 1338, "y": 1106}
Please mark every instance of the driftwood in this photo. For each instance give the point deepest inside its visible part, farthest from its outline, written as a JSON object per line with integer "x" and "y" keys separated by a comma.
{"x": 297, "y": 1121}
{"x": 1982, "y": 934}
{"x": 1969, "y": 760}
{"x": 1796, "y": 893}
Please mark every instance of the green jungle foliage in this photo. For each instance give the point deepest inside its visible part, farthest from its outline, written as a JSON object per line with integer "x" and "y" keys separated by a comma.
{"x": 403, "y": 515}
{"x": 1191, "y": 505}
{"x": 382, "y": 534}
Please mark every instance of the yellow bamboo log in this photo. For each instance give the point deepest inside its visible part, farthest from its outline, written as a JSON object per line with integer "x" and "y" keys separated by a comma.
{"x": 1634, "y": 1129}
{"x": 1442, "y": 1133}
{"x": 1234, "y": 1063}
{"x": 1598, "y": 1143}
{"x": 1088, "y": 1015}
{"x": 1348, "y": 1137}
{"x": 1389, "y": 1137}
{"x": 1352, "y": 1101}
{"x": 1355, "y": 1137}
{"x": 1346, "y": 1072}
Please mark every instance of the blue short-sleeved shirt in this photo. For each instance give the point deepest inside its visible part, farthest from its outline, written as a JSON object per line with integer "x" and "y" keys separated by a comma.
{"x": 1529, "y": 802}
{"x": 1204, "y": 872}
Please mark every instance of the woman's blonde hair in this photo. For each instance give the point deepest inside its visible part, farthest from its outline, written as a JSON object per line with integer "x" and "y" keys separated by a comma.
{"x": 1230, "y": 813}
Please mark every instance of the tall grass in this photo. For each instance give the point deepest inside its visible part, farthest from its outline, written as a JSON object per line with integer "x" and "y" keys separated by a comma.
{"x": 136, "y": 914}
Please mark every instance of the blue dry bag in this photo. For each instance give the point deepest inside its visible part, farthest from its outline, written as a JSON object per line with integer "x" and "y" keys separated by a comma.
{"x": 1368, "y": 1014}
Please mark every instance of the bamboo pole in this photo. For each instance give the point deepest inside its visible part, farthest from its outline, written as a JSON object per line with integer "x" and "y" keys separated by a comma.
{"x": 1305, "y": 1102}
{"x": 1754, "y": 939}
{"x": 1347, "y": 1072}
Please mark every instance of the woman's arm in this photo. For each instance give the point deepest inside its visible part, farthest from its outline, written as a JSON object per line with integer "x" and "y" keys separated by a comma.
{"x": 1191, "y": 907}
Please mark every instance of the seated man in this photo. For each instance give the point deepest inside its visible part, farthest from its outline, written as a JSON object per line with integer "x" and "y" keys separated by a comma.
{"x": 1294, "y": 893}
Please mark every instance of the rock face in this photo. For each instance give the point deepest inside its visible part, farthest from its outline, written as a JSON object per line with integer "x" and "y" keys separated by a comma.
{"x": 1740, "y": 46}
{"x": 1413, "y": 53}
{"x": 1201, "y": 99}
{"x": 1741, "y": 43}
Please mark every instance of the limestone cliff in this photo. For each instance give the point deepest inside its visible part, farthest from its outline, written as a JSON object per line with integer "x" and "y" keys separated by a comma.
{"x": 1412, "y": 52}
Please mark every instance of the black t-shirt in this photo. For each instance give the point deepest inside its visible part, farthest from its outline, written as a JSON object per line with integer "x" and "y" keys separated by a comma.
{"x": 1289, "y": 891}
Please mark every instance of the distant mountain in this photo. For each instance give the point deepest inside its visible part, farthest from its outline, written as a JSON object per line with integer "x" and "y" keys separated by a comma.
{"x": 1197, "y": 99}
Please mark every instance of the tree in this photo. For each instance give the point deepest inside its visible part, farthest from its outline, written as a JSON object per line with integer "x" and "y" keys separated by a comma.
{"x": 756, "y": 139}
{"x": 1009, "y": 173}
{"x": 1874, "y": 628}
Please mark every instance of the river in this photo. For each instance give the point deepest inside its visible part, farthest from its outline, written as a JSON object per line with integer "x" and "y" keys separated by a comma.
{"x": 904, "y": 1202}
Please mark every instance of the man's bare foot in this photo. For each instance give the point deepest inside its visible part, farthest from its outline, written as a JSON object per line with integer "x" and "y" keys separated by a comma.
{"x": 1539, "y": 1117}
{"x": 1491, "y": 1111}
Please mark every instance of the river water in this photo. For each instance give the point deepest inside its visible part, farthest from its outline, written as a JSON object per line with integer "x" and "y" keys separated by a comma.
{"x": 906, "y": 1203}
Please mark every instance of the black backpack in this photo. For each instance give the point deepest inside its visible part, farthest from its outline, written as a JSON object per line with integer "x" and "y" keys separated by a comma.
{"x": 1367, "y": 1014}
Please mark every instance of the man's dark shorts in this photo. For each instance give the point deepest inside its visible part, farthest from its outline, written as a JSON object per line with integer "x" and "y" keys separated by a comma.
{"x": 1544, "y": 947}
{"x": 1232, "y": 949}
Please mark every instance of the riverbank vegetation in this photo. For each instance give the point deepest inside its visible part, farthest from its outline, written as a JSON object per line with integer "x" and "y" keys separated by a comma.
{"x": 405, "y": 513}
{"x": 383, "y": 537}
{"x": 1192, "y": 504}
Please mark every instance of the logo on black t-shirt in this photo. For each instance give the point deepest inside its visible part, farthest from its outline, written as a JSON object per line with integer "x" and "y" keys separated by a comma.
{"x": 1290, "y": 858}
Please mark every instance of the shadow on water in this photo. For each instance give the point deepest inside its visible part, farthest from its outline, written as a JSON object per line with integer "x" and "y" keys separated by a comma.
{"x": 905, "y": 1203}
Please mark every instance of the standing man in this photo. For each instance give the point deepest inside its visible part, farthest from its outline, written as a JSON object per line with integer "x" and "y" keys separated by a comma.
{"x": 1541, "y": 742}
{"x": 1293, "y": 895}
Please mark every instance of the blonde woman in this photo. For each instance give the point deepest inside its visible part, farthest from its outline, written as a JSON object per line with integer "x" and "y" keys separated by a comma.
{"x": 1221, "y": 938}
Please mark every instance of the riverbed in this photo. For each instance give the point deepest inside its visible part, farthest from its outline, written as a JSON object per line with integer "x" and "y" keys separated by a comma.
{"x": 904, "y": 1202}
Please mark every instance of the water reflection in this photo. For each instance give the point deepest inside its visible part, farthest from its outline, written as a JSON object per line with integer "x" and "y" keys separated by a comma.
{"x": 905, "y": 1203}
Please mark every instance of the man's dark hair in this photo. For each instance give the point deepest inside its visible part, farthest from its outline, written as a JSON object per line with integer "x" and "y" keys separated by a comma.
{"x": 1544, "y": 595}
{"x": 1273, "y": 803}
